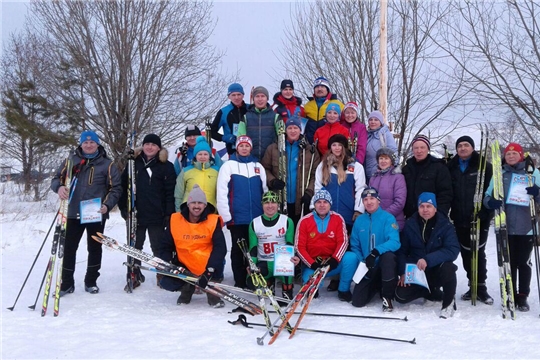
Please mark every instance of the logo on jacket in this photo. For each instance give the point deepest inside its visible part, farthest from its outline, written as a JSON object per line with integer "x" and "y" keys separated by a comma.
{"x": 312, "y": 235}
{"x": 257, "y": 170}
{"x": 331, "y": 235}
{"x": 395, "y": 226}
{"x": 281, "y": 232}
{"x": 350, "y": 167}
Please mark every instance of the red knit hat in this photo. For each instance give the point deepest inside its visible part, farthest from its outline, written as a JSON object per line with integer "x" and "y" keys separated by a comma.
{"x": 515, "y": 147}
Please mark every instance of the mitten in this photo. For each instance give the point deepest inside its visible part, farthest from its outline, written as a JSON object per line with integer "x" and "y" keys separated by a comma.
{"x": 277, "y": 184}
{"x": 494, "y": 204}
{"x": 533, "y": 190}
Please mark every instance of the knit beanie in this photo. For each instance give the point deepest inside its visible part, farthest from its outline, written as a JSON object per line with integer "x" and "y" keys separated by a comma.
{"x": 333, "y": 107}
{"x": 352, "y": 105}
{"x": 260, "y": 90}
{"x": 377, "y": 115}
{"x": 244, "y": 139}
{"x": 201, "y": 145}
{"x": 422, "y": 138}
{"x": 235, "y": 87}
{"x": 370, "y": 191}
{"x": 152, "y": 138}
{"x": 465, "y": 138}
{"x": 339, "y": 139}
{"x": 515, "y": 147}
{"x": 196, "y": 195}
{"x": 321, "y": 80}
{"x": 427, "y": 197}
{"x": 294, "y": 120}
{"x": 286, "y": 84}
{"x": 192, "y": 130}
{"x": 322, "y": 194}
{"x": 89, "y": 135}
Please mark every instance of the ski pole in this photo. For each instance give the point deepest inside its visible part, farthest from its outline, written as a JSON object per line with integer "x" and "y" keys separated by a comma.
{"x": 353, "y": 316}
{"x": 530, "y": 170}
{"x": 242, "y": 320}
{"x": 34, "y": 263}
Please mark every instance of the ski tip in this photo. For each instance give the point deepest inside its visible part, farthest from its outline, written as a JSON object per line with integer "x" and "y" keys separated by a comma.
{"x": 413, "y": 341}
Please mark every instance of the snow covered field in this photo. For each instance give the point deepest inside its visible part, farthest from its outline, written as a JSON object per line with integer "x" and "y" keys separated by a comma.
{"x": 149, "y": 325}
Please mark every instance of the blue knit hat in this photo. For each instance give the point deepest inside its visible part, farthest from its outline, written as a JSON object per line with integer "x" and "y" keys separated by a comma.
{"x": 427, "y": 197}
{"x": 321, "y": 80}
{"x": 235, "y": 87}
{"x": 88, "y": 135}
{"x": 322, "y": 194}
{"x": 333, "y": 107}
{"x": 201, "y": 145}
{"x": 294, "y": 120}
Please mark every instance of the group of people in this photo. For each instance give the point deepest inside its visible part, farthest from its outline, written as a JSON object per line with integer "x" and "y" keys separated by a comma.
{"x": 314, "y": 176}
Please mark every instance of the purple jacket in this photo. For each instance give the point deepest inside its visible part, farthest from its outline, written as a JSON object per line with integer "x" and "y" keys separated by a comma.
{"x": 392, "y": 191}
{"x": 361, "y": 141}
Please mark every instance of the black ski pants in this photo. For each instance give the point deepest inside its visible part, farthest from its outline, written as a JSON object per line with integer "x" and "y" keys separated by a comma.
{"x": 239, "y": 263}
{"x": 464, "y": 237}
{"x": 383, "y": 279}
{"x": 520, "y": 247}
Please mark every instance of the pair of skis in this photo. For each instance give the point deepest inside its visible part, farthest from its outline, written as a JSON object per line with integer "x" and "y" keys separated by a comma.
{"x": 132, "y": 280}
{"x": 282, "y": 164}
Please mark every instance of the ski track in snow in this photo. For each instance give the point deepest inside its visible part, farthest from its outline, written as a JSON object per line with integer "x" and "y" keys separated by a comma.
{"x": 148, "y": 324}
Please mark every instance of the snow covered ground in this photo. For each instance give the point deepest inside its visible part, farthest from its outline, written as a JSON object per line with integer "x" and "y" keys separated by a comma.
{"x": 149, "y": 325}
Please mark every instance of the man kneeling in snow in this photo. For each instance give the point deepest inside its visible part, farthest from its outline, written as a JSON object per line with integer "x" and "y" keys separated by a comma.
{"x": 195, "y": 234}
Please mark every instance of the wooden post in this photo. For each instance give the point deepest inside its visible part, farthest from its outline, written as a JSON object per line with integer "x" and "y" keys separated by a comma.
{"x": 383, "y": 64}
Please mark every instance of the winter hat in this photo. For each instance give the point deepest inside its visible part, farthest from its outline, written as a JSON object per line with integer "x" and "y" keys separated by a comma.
{"x": 427, "y": 197}
{"x": 465, "y": 138}
{"x": 235, "y": 87}
{"x": 201, "y": 145}
{"x": 192, "y": 130}
{"x": 333, "y": 107}
{"x": 286, "y": 84}
{"x": 294, "y": 120}
{"x": 340, "y": 139}
{"x": 89, "y": 135}
{"x": 385, "y": 151}
{"x": 422, "y": 138}
{"x": 152, "y": 138}
{"x": 196, "y": 195}
{"x": 352, "y": 105}
{"x": 371, "y": 191}
{"x": 321, "y": 80}
{"x": 244, "y": 139}
{"x": 322, "y": 194}
{"x": 260, "y": 90}
{"x": 377, "y": 115}
{"x": 515, "y": 147}
{"x": 270, "y": 197}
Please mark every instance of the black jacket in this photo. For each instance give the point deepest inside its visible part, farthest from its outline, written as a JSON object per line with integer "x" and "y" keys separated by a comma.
{"x": 464, "y": 186}
{"x": 428, "y": 175}
{"x": 154, "y": 196}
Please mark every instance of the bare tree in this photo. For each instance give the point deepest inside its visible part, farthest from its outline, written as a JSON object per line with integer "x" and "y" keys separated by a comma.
{"x": 497, "y": 46}
{"x": 127, "y": 66}
{"x": 340, "y": 40}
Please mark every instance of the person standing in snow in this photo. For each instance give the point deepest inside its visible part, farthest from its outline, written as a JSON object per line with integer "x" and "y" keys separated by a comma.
{"x": 378, "y": 136}
{"x": 350, "y": 119}
{"x": 97, "y": 177}
{"x": 286, "y": 104}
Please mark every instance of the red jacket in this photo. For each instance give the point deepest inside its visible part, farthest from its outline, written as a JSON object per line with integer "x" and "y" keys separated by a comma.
{"x": 325, "y": 132}
{"x": 310, "y": 243}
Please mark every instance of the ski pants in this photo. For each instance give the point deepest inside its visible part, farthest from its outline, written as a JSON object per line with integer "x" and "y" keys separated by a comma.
{"x": 441, "y": 275}
{"x": 382, "y": 278}
{"x": 520, "y": 247}
{"x": 346, "y": 268}
{"x": 464, "y": 237}
{"x": 239, "y": 263}
{"x": 74, "y": 234}
{"x": 155, "y": 233}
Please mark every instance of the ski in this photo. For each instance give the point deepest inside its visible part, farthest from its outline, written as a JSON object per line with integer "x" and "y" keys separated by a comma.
{"x": 131, "y": 222}
{"x": 529, "y": 165}
{"x": 501, "y": 233}
{"x": 353, "y": 316}
{"x": 282, "y": 164}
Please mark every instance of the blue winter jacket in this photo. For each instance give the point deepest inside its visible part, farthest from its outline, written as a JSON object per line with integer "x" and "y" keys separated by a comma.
{"x": 442, "y": 245}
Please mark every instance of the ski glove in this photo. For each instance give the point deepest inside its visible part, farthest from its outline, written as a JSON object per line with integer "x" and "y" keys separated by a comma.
{"x": 229, "y": 139}
{"x": 494, "y": 204}
{"x": 333, "y": 263}
{"x": 263, "y": 268}
{"x": 204, "y": 278}
{"x": 184, "y": 149}
{"x": 533, "y": 190}
{"x": 372, "y": 257}
{"x": 316, "y": 264}
{"x": 302, "y": 142}
{"x": 306, "y": 200}
{"x": 277, "y": 184}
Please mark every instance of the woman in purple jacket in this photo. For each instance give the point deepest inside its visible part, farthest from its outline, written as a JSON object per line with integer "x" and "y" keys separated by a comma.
{"x": 357, "y": 131}
{"x": 390, "y": 183}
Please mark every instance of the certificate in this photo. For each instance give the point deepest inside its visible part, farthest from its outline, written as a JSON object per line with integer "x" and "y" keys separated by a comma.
{"x": 90, "y": 211}
{"x": 413, "y": 275}
{"x": 517, "y": 195}
{"x": 283, "y": 266}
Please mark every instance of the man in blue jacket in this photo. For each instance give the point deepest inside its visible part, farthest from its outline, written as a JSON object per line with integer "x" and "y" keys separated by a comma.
{"x": 429, "y": 240}
{"x": 374, "y": 239}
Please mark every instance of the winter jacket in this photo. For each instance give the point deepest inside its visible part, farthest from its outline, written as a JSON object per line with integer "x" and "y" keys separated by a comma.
{"x": 240, "y": 186}
{"x": 315, "y": 114}
{"x": 374, "y": 231}
{"x": 154, "y": 184}
{"x": 96, "y": 178}
{"x": 311, "y": 242}
{"x": 393, "y": 192}
{"x": 428, "y": 175}
{"x": 260, "y": 126}
{"x": 518, "y": 218}
{"x": 288, "y": 107}
{"x": 464, "y": 186}
{"x": 442, "y": 245}
{"x": 374, "y": 143}
{"x": 357, "y": 130}
{"x": 228, "y": 118}
{"x": 203, "y": 174}
{"x": 297, "y": 165}
{"x": 345, "y": 197}
{"x": 326, "y": 131}
{"x": 182, "y": 161}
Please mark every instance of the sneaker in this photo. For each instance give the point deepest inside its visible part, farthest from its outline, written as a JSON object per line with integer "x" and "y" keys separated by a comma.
{"x": 333, "y": 286}
{"x": 387, "y": 305}
{"x": 484, "y": 297}
{"x": 93, "y": 289}
{"x": 521, "y": 303}
{"x": 68, "y": 290}
{"x": 344, "y": 295}
{"x": 186, "y": 293}
{"x": 448, "y": 311}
